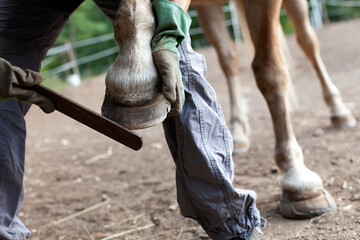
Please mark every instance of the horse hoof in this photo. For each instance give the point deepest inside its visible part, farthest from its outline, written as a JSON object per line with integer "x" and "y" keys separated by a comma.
{"x": 137, "y": 117}
{"x": 343, "y": 121}
{"x": 303, "y": 208}
{"x": 241, "y": 147}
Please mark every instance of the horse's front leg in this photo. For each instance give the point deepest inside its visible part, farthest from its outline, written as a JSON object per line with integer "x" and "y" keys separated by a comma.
{"x": 303, "y": 192}
{"x": 298, "y": 12}
{"x": 212, "y": 21}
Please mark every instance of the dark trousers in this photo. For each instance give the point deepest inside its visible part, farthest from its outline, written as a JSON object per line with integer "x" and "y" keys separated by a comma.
{"x": 199, "y": 140}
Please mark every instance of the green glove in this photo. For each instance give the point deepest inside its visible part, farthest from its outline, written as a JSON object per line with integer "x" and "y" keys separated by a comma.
{"x": 12, "y": 83}
{"x": 173, "y": 25}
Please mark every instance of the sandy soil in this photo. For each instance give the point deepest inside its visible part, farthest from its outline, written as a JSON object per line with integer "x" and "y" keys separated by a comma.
{"x": 70, "y": 168}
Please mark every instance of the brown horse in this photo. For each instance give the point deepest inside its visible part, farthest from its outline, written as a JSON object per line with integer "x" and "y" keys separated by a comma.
{"x": 212, "y": 21}
{"x": 303, "y": 192}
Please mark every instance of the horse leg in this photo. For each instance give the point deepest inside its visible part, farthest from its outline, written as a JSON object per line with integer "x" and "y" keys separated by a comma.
{"x": 212, "y": 21}
{"x": 298, "y": 12}
{"x": 303, "y": 192}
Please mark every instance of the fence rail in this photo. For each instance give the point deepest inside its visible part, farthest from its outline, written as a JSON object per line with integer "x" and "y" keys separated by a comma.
{"x": 335, "y": 3}
{"x": 316, "y": 18}
{"x": 81, "y": 43}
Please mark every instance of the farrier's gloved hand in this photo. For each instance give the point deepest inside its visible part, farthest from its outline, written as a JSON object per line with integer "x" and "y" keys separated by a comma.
{"x": 173, "y": 25}
{"x": 12, "y": 79}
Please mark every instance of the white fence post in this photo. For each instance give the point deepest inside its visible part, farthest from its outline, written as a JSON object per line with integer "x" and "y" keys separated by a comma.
{"x": 235, "y": 22}
{"x": 316, "y": 17}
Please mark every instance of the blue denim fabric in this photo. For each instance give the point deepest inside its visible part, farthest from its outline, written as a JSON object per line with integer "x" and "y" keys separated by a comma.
{"x": 12, "y": 153}
{"x": 199, "y": 140}
{"x": 27, "y": 31}
{"x": 201, "y": 146}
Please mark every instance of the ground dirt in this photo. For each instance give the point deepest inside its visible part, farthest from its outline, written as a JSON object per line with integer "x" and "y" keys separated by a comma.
{"x": 70, "y": 167}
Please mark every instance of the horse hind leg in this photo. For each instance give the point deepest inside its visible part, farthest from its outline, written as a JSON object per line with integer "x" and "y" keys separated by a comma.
{"x": 298, "y": 12}
{"x": 303, "y": 193}
{"x": 212, "y": 21}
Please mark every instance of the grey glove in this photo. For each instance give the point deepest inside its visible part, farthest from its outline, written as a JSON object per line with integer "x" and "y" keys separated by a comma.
{"x": 12, "y": 81}
{"x": 167, "y": 64}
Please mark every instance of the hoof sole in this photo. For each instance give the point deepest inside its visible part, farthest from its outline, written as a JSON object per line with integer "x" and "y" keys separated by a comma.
{"x": 306, "y": 208}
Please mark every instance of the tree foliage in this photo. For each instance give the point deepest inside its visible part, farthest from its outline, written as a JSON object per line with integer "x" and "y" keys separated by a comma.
{"x": 88, "y": 21}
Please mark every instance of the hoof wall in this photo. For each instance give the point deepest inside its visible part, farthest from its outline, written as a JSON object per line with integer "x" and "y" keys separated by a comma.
{"x": 241, "y": 147}
{"x": 137, "y": 117}
{"x": 343, "y": 121}
{"x": 240, "y": 150}
{"x": 306, "y": 208}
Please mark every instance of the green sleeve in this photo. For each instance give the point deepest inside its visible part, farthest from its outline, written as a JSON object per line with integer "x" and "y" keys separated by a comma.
{"x": 173, "y": 25}
{"x": 3, "y": 99}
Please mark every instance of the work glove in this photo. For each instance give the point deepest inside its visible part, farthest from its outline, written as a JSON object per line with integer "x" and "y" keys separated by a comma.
{"x": 13, "y": 83}
{"x": 173, "y": 25}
